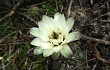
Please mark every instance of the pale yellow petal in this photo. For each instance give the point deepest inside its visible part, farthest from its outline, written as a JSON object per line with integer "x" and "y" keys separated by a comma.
{"x": 46, "y": 46}
{"x": 37, "y": 51}
{"x": 57, "y": 48}
{"x": 48, "y": 52}
{"x": 61, "y": 23}
{"x": 43, "y": 27}
{"x": 66, "y": 51}
{"x": 72, "y": 37}
{"x": 69, "y": 24}
{"x": 36, "y": 42}
{"x": 56, "y": 16}
{"x": 50, "y": 22}
{"x": 44, "y": 36}
{"x": 34, "y": 31}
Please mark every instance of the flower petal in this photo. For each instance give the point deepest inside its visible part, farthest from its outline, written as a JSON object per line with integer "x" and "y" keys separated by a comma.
{"x": 44, "y": 36}
{"x": 46, "y": 46}
{"x": 36, "y": 42}
{"x": 56, "y": 16}
{"x": 44, "y": 27}
{"x": 66, "y": 51}
{"x": 55, "y": 55}
{"x": 47, "y": 19}
{"x": 45, "y": 30}
{"x": 50, "y": 22}
{"x": 72, "y": 36}
{"x": 37, "y": 51}
{"x": 57, "y": 48}
{"x": 34, "y": 31}
{"x": 70, "y": 23}
{"x": 48, "y": 52}
{"x": 61, "y": 22}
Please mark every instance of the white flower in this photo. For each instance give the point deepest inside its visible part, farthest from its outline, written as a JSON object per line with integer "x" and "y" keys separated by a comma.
{"x": 52, "y": 36}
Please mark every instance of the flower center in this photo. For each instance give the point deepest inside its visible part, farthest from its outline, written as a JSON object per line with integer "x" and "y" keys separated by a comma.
{"x": 56, "y": 38}
{"x": 55, "y": 35}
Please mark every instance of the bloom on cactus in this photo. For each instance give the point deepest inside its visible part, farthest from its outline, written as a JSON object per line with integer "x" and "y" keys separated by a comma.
{"x": 53, "y": 35}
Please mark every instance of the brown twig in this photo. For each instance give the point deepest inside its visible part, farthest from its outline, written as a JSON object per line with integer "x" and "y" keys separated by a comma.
{"x": 80, "y": 3}
{"x": 17, "y": 53}
{"x": 107, "y": 21}
{"x": 38, "y": 4}
{"x": 69, "y": 8}
{"x": 2, "y": 39}
{"x": 12, "y": 11}
{"x": 29, "y": 18}
{"x": 94, "y": 67}
{"x": 7, "y": 15}
{"x": 84, "y": 63}
{"x": 98, "y": 55}
{"x": 96, "y": 40}
{"x": 99, "y": 17}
